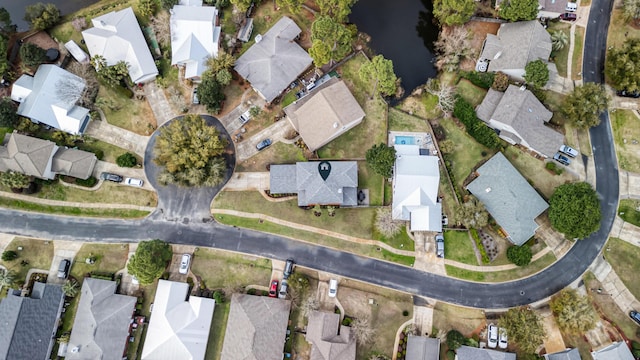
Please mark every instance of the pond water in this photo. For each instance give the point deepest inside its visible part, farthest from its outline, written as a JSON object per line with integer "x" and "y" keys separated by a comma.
{"x": 403, "y": 31}
{"x": 16, "y": 8}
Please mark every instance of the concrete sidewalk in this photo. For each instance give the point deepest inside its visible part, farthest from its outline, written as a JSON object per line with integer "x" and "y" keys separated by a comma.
{"x": 102, "y": 130}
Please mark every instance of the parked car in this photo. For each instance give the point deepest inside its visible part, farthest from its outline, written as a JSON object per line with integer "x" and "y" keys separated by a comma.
{"x": 492, "y": 336}
{"x": 626, "y": 93}
{"x": 273, "y": 289}
{"x": 184, "y": 264}
{"x": 63, "y": 269}
{"x": 571, "y": 6}
{"x": 635, "y": 316}
{"x": 245, "y": 117}
{"x": 567, "y": 150}
{"x": 263, "y": 144}
{"x": 134, "y": 182}
{"x": 283, "y": 289}
{"x": 194, "y": 96}
{"x": 440, "y": 246}
{"x": 502, "y": 342}
{"x": 288, "y": 268}
{"x": 110, "y": 177}
{"x": 333, "y": 287}
{"x": 561, "y": 159}
{"x": 569, "y": 16}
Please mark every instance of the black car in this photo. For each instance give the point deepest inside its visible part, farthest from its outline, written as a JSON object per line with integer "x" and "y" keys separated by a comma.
{"x": 635, "y": 316}
{"x": 63, "y": 269}
{"x": 626, "y": 93}
{"x": 111, "y": 177}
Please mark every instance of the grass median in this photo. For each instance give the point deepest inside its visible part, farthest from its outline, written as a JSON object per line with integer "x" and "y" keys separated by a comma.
{"x": 72, "y": 210}
{"x": 502, "y": 276}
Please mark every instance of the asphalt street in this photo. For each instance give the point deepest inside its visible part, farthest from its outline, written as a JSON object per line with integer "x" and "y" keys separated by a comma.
{"x": 489, "y": 296}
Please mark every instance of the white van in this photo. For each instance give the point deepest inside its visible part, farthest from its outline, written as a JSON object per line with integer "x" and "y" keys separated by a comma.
{"x": 492, "y": 336}
{"x": 333, "y": 287}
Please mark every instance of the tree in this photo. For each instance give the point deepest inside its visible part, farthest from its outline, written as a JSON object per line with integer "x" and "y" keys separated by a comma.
{"x": 385, "y": 224}
{"x": 500, "y": 81}
{"x": 210, "y": 92}
{"x": 309, "y": 305}
{"x": 455, "y": 339}
{"x": 574, "y": 312}
{"x": 631, "y": 10}
{"x": 7, "y": 278}
{"x": 362, "y": 329}
{"x": 70, "y": 288}
{"x": 453, "y": 12}
{"x": 584, "y": 105}
{"x": 381, "y": 158}
{"x": 337, "y": 9}
{"x": 191, "y": 152}
{"x": 6, "y": 27}
{"x": 224, "y": 77}
{"x": 574, "y": 210}
{"x": 559, "y": 40}
{"x": 242, "y": 5}
{"x": 8, "y": 115}
{"x": 32, "y": 54}
{"x": 147, "y": 7}
{"x": 14, "y": 180}
{"x": 9, "y": 255}
{"x": 446, "y": 96}
{"x": 519, "y": 10}
{"x": 621, "y": 65}
{"x": 452, "y": 47}
{"x": 524, "y": 327}
{"x": 381, "y": 71}
{"x": 42, "y": 16}
{"x": 519, "y": 255}
{"x": 472, "y": 214}
{"x": 224, "y": 61}
{"x": 168, "y": 4}
{"x": 4, "y": 61}
{"x": 330, "y": 40}
{"x": 292, "y": 6}
{"x": 127, "y": 160}
{"x": 150, "y": 260}
{"x": 536, "y": 73}
{"x": 447, "y": 146}
{"x": 110, "y": 75}
{"x": 85, "y": 71}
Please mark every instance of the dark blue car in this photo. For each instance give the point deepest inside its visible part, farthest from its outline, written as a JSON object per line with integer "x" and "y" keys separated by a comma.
{"x": 263, "y": 144}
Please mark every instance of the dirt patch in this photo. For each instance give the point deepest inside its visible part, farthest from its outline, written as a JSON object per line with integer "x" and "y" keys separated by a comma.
{"x": 466, "y": 320}
{"x": 478, "y": 31}
{"x": 553, "y": 342}
{"x": 43, "y": 40}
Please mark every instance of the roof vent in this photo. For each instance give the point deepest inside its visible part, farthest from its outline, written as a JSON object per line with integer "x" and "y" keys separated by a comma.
{"x": 523, "y": 88}
{"x": 335, "y": 125}
{"x": 497, "y": 55}
{"x": 258, "y": 38}
{"x": 75, "y": 349}
{"x": 530, "y": 110}
{"x": 340, "y": 191}
{"x": 488, "y": 190}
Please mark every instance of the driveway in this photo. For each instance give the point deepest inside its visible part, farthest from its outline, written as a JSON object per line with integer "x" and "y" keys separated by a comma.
{"x": 137, "y": 173}
{"x": 275, "y": 132}
{"x": 102, "y": 130}
{"x": 160, "y": 106}
{"x": 62, "y": 250}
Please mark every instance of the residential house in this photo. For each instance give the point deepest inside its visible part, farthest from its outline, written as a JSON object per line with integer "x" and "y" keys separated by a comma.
{"x": 509, "y": 198}
{"x": 328, "y": 338}
{"x": 195, "y": 36}
{"x": 422, "y": 348}
{"x": 256, "y": 328}
{"x": 43, "y": 158}
{"x": 50, "y": 97}
{"x": 618, "y": 350}
{"x": 415, "y": 189}
{"x": 328, "y": 112}
{"x": 568, "y": 354}
{"x": 116, "y": 37}
{"x": 103, "y": 318}
{"x": 473, "y": 353}
{"x": 516, "y": 45}
{"x": 519, "y": 118}
{"x": 317, "y": 182}
{"x": 550, "y": 9}
{"x": 178, "y": 328}
{"x": 275, "y": 60}
{"x": 29, "y": 324}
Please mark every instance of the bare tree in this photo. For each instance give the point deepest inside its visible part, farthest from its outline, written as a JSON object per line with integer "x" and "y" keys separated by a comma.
{"x": 88, "y": 73}
{"x": 446, "y": 95}
{"x": 309, "y": 305}
{"x": 79, "y": 23}
{"x": 452, "y": 47}
{"x": 385, "y": 223}
{"x": 362, "y": 329}
{"x": 160, "y": 25}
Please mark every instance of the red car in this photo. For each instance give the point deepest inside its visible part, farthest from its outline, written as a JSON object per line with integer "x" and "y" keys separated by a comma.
{"x": 569, "y": 16}
{"x": 273, "y": 290}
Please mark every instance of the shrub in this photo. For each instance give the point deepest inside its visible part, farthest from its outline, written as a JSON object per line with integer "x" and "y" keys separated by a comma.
{"x": 251, "y": 291}
{"x": 405, "y": 313}
{"x": 554, "y": 168}
{"x": 455, "y": 339}
{"x": 90, "y": 182}
{"x": 519, "y": 255}
{"x": 9, "y": 255}
{"x": 218, "y": 297}
{"x": 483, "y": 252}
{"x": 475, "y": 127}
{"x": 451, "y": 355}
{"x": 127, "y": 160}
{"x": 500, "y": 82}
{"x": 346, "y": 321}
{"x": 483, "y": 80}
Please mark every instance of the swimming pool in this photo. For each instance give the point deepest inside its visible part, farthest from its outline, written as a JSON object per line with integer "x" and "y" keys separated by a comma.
{"x": 405, "y": 140}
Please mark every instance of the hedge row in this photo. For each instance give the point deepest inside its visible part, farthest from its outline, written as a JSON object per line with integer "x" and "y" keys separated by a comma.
{"x": 475, "y": 127}
{"x": 483, "y": 80}
{"x": 483, "y": 252}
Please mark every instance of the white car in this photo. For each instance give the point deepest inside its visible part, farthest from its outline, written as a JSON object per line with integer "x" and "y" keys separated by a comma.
{"x": 333, "y": 287}
{"x": 569, "y": 151}
{"x": 492, "y": 336}
{"x": 502, "y": 342}
{"x": 184, "y": 264}
{"x": 133, "y": 182}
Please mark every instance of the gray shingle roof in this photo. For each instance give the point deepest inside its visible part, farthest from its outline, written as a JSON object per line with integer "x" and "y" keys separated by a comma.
{"x": 256, "y": 328}
{"x": 615, "y": 351}
{"x": 422, "y": 348}
{"x": 518, "y": 112}
{"x": 568, "y": 354}
{"x": 276, "y": 61}
{"x": 72, "y": 162}
{"x": 330, "y": 340}
{"x": 101, "y": 326}
{"x": 508, "y": 197}
{"x": 339, "y": 188}
{"x": 328, "y": 112}
{"x": 473, "y": 353}
{"x": 28, "y": 324}
{"x": 517, "y": 44}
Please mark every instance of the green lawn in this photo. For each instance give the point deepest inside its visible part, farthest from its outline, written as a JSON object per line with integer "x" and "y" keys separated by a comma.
{"x": 560, "y": 57}
{"x": 71, "y": 210}
{"x": 312, "y": 237}
{"x": 108, "y": 193}
{"x": 401, "y": 121}
{"x": 448, "y": 316}
{"x": 368, "y": 179}
{"x": 623, "y": 257}
{"x": 620, "y": 29}
{"x": 459, "y": 247}
{"x": 473, "y": 94}
{"x": 576, "y": 65}
{"x": 37, "y": 253}
{"x": 278, "y": 153}
{"x": 501, "y": 276}
{"x": 628, "y": 211}
{"x": 213, "y": 266}
{"x": 467, "y": 154}
{"x": 217, "y": 330}
{"x": 626, "y": 130}
{"x": 127, "y": 113}
{"x": 399, "y": 241}
{"x": 533, "y": 170}
{"x": 109, "y": 258}
{"x": 372, "y": 130}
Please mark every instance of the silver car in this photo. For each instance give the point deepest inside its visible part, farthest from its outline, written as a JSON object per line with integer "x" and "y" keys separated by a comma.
{"x": 440, "y": 246}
